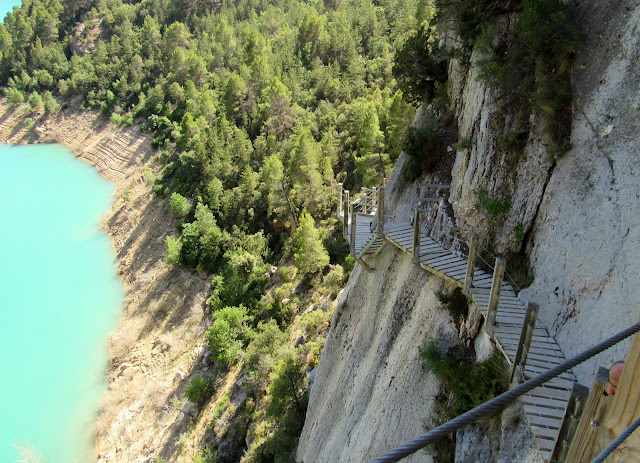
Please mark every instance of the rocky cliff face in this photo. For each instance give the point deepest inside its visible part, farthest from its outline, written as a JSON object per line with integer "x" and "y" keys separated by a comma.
{"x": 370, "y": 392}
{"x": 585, "y": 239}
{"x": 577, "y": 216}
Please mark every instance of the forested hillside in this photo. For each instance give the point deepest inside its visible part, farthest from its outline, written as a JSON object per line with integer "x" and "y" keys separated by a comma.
{"x": 257, "y": 109}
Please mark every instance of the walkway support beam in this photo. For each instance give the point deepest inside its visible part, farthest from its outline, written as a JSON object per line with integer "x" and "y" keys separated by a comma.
{"x": 494, "y": 296}
{"x": 471, "y": 264}
{"x": 417, "y": 228}
{"x": 380, "y": 211}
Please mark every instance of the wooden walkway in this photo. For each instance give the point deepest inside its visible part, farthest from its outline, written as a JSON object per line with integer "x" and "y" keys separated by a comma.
{"x": 545, "y": 406}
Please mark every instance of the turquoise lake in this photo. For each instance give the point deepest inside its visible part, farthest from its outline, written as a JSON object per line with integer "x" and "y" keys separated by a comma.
{"x": 59, "y": 300}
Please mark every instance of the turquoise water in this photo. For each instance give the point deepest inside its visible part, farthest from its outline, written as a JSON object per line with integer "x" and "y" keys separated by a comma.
{"x": 59, "y": 296}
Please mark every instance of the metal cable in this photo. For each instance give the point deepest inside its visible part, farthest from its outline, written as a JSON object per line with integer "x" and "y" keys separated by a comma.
{"x": 498, "y": 403}
{"x": 614, "y": 445}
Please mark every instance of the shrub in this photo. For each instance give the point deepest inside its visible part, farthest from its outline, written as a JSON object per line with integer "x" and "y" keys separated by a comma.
{"x": 199, "y": 390}
{"x": 455, "y": 302}
{"x": 225, "y": 335}
{"x": 470, "y": 383}
{"x": 263, "y": 351}
{"x": 315, "y": 322}
{"x": 14, "y": 96}
{"x": 35, "y": 101}
{"x": 493, "y": 206}
{"x": 334, "y": 278}
{"x": 173, "y": 247}
{"x": 424, "y": 147}
{"x": 287, "y": 273}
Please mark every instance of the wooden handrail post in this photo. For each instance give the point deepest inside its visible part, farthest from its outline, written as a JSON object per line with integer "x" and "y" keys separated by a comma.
{"x": 494, "y": 296}
{"x": 339, "y": 211}
{"x": 380, "y": 211}
{"x": 417, "y": 228}
{"x": 353, "y": 233}
{"x": 345, "y": 212}
{"x": 526, "y": 335}
{"x": 570, "y": 421}
{"x": 584, "y": 442}
{"x": 471, "y": 264}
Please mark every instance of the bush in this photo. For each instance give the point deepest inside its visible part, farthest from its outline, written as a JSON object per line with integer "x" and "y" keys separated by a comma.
{"x": 35, "y": 101}
{"x": 180, "y": 206}
{"x": 493, "y": 206}
{"x": 266, "y": 347}
{"x": 424, "y": 148}
{"x": 287, "y": 273}
{"x": 225, "y": 335}
{"x": 173, "y": 247}
{"x": 470, "y": 383}
{"x": 334, "y": 278}
{"x": 455, "y": 302}
{"x": 199, "y": 390}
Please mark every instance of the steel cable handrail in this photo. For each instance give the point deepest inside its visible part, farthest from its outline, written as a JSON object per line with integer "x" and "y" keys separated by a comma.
{"x": 498, "y": 403}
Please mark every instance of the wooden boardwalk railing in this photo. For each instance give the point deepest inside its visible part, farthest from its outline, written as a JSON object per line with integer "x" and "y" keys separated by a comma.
{"x": 527, "y": 346}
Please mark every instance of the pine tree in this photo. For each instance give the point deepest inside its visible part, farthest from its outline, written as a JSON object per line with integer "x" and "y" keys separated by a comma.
{"x": 309, "y": 253}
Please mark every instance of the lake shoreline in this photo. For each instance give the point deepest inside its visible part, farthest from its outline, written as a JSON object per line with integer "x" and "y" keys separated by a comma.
{"x": 159, "y": 339}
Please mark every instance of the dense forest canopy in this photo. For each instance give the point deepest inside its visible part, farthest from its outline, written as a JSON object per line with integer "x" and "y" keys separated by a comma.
{"x": 257, "y": 107}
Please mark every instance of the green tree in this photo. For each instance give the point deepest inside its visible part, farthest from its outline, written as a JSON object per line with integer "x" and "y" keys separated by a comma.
{"x": 371, "y": 162}
{"x": 310, "y": 256}
{"x": 35, "y": 102}
{"x": 419, "y": 64}
{"x": 180, "y": 206}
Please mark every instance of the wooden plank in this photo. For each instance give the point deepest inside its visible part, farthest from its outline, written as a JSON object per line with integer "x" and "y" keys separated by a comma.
{"x": 550, "y": 405}
{"x": 454, "y": 265}
{"x": 551, "y": 412}
{"x": 535, "y": 370}
{"x": 442, "y": 262}
{"x": 544, "y": 421}
{"x": 545, "y": 433}
{"x": 547, "y": 392}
